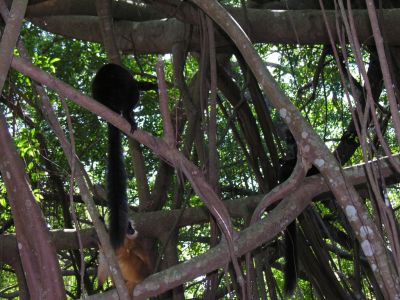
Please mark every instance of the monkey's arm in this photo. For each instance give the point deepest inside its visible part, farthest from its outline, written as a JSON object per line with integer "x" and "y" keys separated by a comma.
{"x": 133, "y": 264}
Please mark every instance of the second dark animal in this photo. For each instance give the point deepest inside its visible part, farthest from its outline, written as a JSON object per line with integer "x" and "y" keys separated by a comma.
{"x": 290, "y": 269}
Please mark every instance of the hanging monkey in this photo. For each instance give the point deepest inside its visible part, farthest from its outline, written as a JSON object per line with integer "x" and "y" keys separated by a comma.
{"x": 115, "y": 87}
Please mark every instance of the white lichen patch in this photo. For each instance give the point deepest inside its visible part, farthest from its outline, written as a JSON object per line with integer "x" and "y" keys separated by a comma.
{"x": 351, "y": 213}
{"x": 276, "y": 12}
{"x": 373, "y": 267}
{"x": 387, "y": 201}
{"x": 8, "y": 175}
{"x": 19, "y": 246}
{"x": 176, "y": 276}
{"x": 367, "y": 249}
{"x": 172, "y": 277}
{"x": 319, "y": 162}
{"x": 283, "y": 113}
{"x": 333, "y": 183}
{"x": 306, "y": 148}
{"x": 304, "y": 135}
{"x": 28, "y": 204}
{"x": 365, "y": 230}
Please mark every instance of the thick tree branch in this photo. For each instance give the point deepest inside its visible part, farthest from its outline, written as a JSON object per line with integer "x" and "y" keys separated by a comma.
{"x": 278, "y": 27}
{"x": 38, "y": 256}
{"x": 10, "y": 35}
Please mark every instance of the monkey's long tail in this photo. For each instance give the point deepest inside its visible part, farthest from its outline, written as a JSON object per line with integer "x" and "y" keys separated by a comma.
{"x": 116, "y": 188}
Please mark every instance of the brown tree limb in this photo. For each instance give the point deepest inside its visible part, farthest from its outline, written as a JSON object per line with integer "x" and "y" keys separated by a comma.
{"x": 121, "y": 10}
{"x": 23, "y": 291}
{"x": 213, "y": 165}
{"x": 282, "y": 190}
{"x": 105, "y": 21}
{"x": 158, "y": 37}
{"x": 385, "y": 68}
{"x": 71, "y": 194}
{"x": 10, "y": 35}
{"x": 169, "y": 135}
{"x": 38, "y": 256}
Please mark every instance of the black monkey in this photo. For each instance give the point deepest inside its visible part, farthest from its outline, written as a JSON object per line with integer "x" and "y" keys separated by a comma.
{"x": 115, "y": 87}
{"x": 290, "y": 269}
